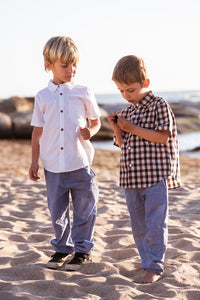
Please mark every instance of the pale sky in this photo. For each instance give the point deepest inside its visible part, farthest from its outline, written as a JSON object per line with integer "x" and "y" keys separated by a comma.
{"x": 164, "y": 33}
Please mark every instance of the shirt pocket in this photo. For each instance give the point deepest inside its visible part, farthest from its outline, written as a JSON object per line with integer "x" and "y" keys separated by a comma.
{"x": 77, "y": 113}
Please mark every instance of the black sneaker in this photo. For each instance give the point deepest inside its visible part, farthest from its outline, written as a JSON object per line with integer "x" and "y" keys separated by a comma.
{"x": 58, "y": 260}
{"x": 78, "y": 261}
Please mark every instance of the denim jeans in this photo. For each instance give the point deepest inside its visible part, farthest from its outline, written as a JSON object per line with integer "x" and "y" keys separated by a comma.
{"x": 148, "y": 209}
{"x": 84, "y": 194}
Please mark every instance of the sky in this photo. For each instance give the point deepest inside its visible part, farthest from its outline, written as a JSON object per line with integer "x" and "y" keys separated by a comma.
{"x": 164, "y": 33}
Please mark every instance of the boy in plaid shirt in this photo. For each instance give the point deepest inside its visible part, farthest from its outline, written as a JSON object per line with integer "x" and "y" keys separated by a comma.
{"x": 149, "y": 164}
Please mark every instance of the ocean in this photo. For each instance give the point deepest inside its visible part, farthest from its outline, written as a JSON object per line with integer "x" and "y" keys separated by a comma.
{"x": 178, "y": 96}
{"x": 187, "y": 141}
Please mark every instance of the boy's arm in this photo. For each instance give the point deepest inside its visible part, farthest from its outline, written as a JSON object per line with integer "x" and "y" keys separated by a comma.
{"x": 154, "y": 136}
{"x": 88, "y": 132}
{"x": 36, "y": 135}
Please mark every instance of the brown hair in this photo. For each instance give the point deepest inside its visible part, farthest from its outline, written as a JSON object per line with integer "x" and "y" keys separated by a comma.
{"x": 130, "y": 69}
{"x": 61, "y": 48}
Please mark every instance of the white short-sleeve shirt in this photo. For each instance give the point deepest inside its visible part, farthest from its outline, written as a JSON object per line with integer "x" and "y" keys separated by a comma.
{"x": 61, "y": 110}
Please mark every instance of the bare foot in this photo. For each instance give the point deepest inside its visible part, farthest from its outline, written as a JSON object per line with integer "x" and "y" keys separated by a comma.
{"x": 151, "y": 277}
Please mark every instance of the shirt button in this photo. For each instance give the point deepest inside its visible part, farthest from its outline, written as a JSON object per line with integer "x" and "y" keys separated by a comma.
{"x": 61, "y": 148}
{"x": 130, "y": 165}
{"x": 61, "y": 94}
{"x": 62, "y": 129}
{"x": 129, "y": 148}
{"x": 61, "y": 111}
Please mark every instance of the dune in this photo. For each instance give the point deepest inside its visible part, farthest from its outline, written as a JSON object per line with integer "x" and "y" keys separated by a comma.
{"x": 26, "y": 232}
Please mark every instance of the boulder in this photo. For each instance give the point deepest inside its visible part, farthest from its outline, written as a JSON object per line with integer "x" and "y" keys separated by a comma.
{"x": 21, "y": 124}
{"x": 14, "y": 104}
{"x": 5, "y": 126}
{"x": 16, "y": 114}
{"x": 195, "y": 149}
{"x": 187, "y": 124}
{"x": 105, "y": 132}
{"x": 185, "y": 111}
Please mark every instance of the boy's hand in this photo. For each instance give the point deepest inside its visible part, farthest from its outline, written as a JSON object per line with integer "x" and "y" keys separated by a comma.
{"x": 33, "y": 172}
{"x": 85, "y": 133}
{"x": 113, "y": 119}
{"x": 124, "y": 124}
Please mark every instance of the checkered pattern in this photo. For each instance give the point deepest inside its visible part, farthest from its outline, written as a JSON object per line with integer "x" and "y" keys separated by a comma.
{"x": 144, "y": 163}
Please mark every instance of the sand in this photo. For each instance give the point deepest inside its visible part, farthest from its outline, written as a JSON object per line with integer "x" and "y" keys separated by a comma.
{"x": 26, "y": 232}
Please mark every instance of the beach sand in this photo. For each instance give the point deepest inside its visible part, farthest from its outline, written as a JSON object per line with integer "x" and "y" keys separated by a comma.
{"x": 26, "y": 232}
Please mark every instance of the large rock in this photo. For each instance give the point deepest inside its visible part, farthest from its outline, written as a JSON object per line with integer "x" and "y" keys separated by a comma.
{"x": 22, "y": 129}
{"x": 187, "y": 124}
{"x": 185, "y": 111}
{"x": 14, "y": 104}
{"x": 21, "y": 124}
{"x": 5, "y": 126}
{"x": 16, "y": 123}
{"x": 16, "y": 114}
{"x": 105, "y": 132}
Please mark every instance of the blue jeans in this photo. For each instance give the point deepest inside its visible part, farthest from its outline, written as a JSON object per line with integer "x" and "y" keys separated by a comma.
{"x": 148, "y": 209}
{"x": 84, "y": 194}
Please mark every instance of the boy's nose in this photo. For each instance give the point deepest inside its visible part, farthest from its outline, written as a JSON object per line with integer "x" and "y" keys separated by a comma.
{"x": 126, "y": 94}
{"x": 70, "y": 68}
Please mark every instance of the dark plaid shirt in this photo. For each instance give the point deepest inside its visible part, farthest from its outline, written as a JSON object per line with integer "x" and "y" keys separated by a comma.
{"x": 143, "y": 163}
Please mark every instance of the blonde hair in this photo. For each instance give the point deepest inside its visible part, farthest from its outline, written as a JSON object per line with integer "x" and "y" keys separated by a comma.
{"x": 61, "y": 48}
{"x": 130, "y": 69}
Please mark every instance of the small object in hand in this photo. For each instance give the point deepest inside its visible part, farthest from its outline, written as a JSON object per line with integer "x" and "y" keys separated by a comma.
{"x": 116, "y": 118}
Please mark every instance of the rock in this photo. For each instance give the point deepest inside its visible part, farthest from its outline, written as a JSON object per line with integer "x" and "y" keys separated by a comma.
{"x": 185, "y": 111}
{"x": 22, "y": 129}
{"x": 18, "y": 122}
{"x": 16, "y": 114}
{"x": 14, "y": 104}
{"x": 5, "y": 126}
{"x": 105, "y": 132}
{"x": 187, "y": 124}
{"x": 21, "y": 124}
{"x": 195, "y": 149}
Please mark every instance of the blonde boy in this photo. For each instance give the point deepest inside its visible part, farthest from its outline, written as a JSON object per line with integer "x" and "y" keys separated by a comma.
{"x": 149, "y": 165}
{"x": 61, "y": 139}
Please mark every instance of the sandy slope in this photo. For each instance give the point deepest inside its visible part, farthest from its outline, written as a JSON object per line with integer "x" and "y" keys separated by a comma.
{"x": 26, "y": 232}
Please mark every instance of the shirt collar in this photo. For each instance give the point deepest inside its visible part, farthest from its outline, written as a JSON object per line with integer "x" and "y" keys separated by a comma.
{"x": 54, "y": 87}
{"x": 145, "y": 100}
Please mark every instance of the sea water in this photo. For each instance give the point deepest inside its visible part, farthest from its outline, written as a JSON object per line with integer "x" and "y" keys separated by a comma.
{"x": 187, "y": 141}
{"x": 177, "y": 96}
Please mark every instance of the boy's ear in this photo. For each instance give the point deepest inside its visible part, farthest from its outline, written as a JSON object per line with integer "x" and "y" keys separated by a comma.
{"x": 47, "y": 65}
{"x": 147, "y": 83}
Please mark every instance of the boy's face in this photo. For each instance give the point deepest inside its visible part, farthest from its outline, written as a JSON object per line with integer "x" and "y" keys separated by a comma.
{"x": 133, "y": 92}
{"x": 62, "y": 72}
